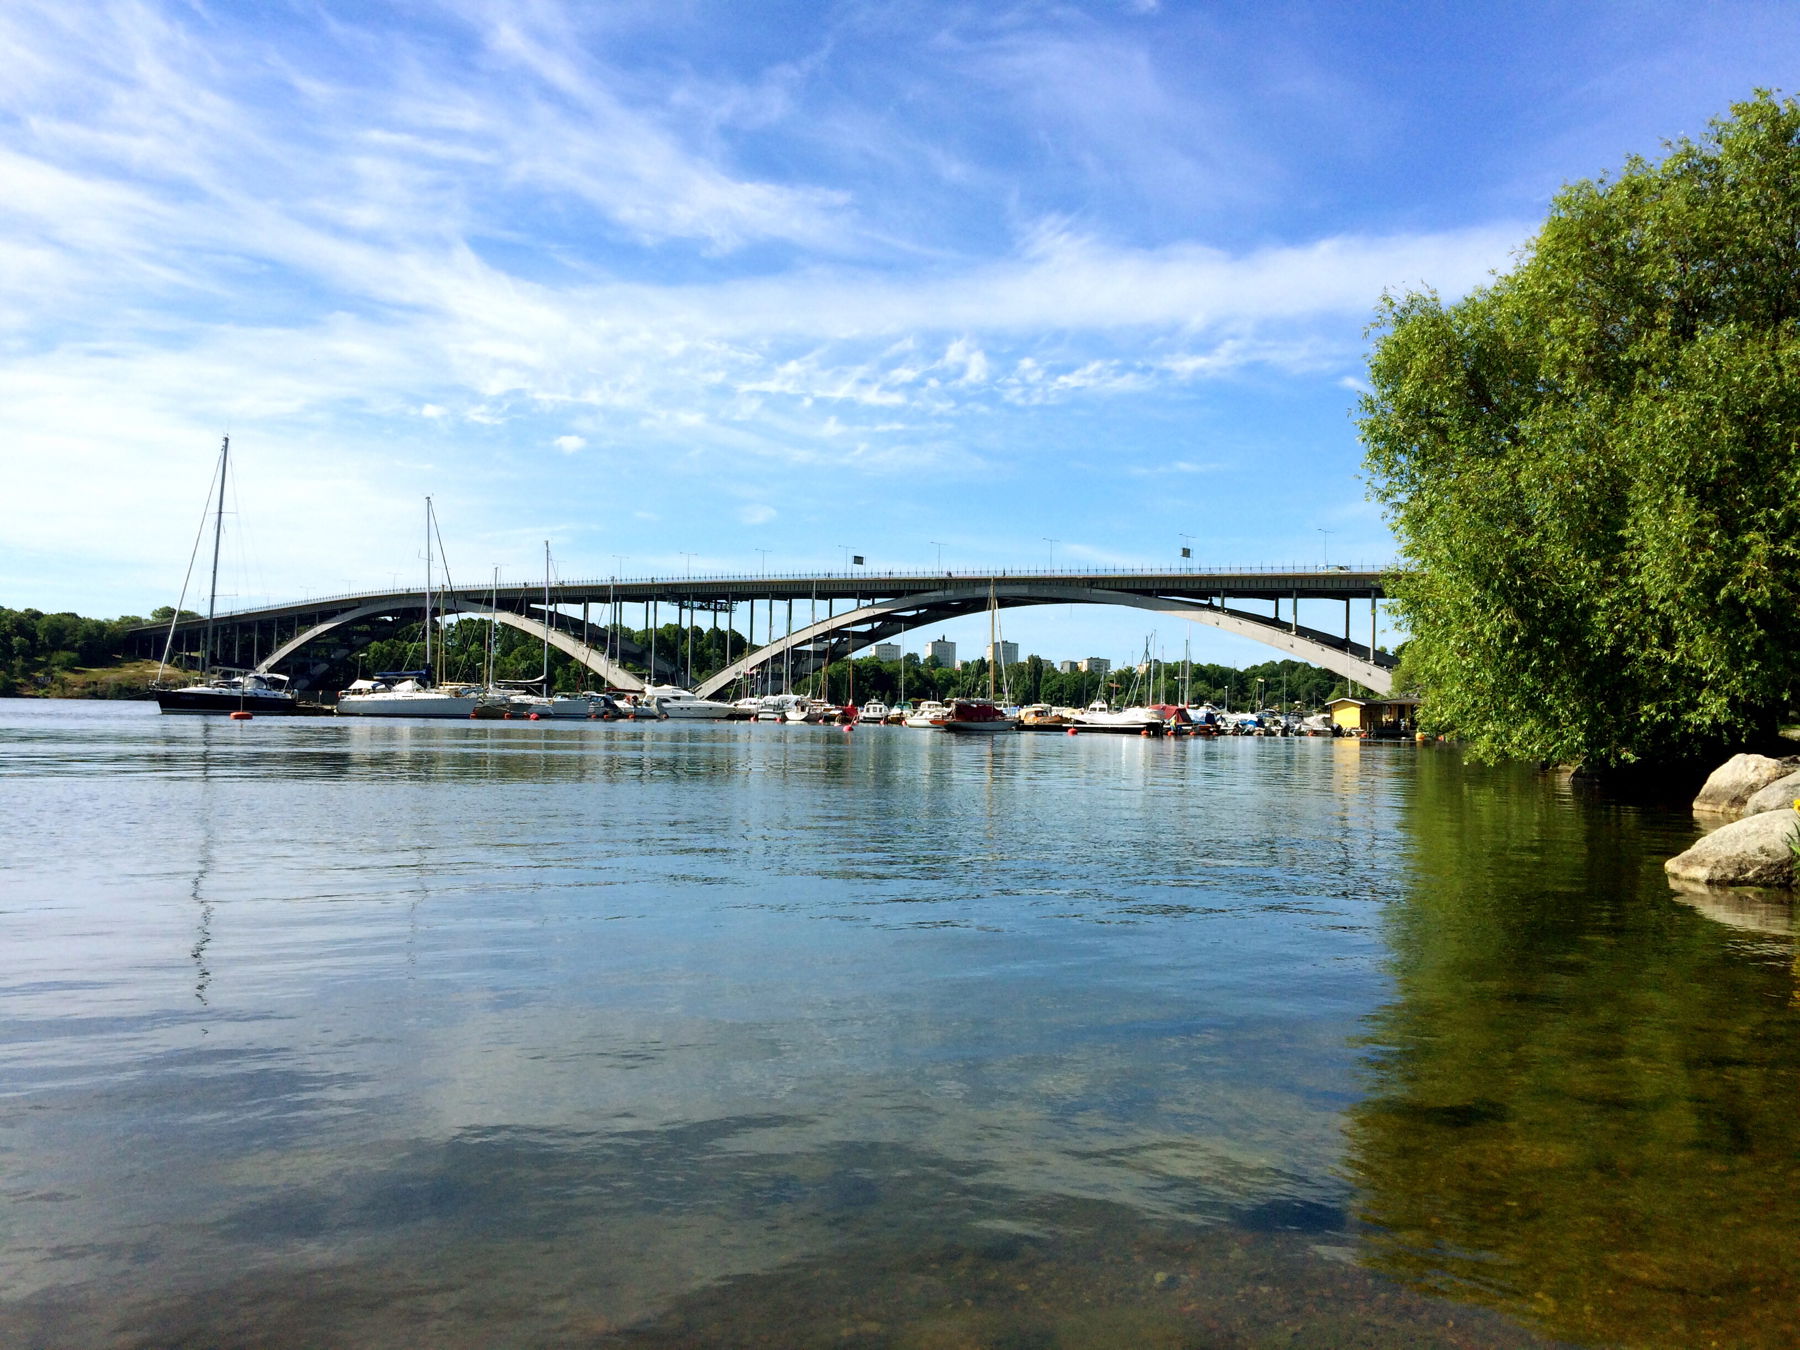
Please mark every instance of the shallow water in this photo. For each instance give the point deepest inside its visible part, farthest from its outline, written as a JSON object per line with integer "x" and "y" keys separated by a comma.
{"x": 320, "y": 1033}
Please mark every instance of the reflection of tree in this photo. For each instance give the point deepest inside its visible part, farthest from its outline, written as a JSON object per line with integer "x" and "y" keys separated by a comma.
{"x": 1582, "y": 1104}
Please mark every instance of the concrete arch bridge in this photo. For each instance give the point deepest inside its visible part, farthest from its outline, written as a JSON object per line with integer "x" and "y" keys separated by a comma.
{"x": 785, "y": 627}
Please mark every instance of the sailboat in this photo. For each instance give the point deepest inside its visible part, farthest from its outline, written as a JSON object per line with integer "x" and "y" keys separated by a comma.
{"x": 218, "y": 691}
{"x": 978, "y": 716}
{"x": 410, "y": 693}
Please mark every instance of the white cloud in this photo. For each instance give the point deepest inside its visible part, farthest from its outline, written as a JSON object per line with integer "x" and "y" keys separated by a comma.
{"x": 570, "y": 444}
{"x": 756, "y": 514}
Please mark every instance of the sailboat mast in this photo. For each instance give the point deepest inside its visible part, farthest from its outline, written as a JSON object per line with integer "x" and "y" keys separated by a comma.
{"x": 212, "y": 595}
{"x": 487, "y": 677}
{"x": 428, "y": 588}
{"x": 993, "y": 650}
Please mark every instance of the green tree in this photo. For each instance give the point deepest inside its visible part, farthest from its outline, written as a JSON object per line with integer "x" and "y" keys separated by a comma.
{"x": 1592, "y": 464}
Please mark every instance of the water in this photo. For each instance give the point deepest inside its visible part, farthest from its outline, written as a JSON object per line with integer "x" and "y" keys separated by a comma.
{"x": 320, "y": 1033}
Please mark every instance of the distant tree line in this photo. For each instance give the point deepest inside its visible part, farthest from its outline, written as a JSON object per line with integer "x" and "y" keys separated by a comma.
{"x": 36, "y": 648}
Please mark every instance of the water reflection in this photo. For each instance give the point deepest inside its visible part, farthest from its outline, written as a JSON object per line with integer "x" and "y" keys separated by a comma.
{"x": 1580, "y": 1103}
{"x": 476, "y": 1034}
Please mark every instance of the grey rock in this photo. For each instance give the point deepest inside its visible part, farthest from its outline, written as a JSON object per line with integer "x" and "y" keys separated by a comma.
{"x": 1753, "y": 851}
{"x": 1777, "y": 796}
{"x": 1737, "y": 780}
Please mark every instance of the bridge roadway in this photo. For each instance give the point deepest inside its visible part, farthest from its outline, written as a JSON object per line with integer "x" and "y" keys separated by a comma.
{"x": 795, "y": 623}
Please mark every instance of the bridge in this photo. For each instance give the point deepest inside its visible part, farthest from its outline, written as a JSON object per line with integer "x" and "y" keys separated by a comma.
{"x": 789, "y": 626}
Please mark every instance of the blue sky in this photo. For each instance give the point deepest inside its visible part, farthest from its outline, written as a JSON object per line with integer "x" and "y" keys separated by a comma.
{"x": 653, "y": 280}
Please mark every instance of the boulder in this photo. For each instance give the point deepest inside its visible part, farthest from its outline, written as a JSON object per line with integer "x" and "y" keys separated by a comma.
{"x": 1754, "y": 851}
{"x": 1778, "y": 796}
{"x": 1737, "y": 780}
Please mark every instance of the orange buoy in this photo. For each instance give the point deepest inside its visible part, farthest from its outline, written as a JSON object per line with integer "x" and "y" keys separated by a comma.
{"x": 1145, "y": 732}
{"x": 471, "y": 717}
{"x": 241, "y": 716}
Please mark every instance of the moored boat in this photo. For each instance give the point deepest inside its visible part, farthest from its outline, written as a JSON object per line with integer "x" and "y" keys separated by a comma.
{"x": 219, "y": 691}
{"x": 407, "y": 697}
{"x": 929, "y": 715}
{"x": 1098, "y": 716}
{"x": 978, "y": 717}
{"x": 250, "y": 692}
{"x": 676, "y": 702}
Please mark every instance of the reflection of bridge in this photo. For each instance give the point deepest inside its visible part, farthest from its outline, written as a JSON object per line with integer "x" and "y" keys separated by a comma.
{"x": 794, "y": 624}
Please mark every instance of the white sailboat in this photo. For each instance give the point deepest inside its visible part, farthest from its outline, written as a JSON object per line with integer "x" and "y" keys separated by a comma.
{"x": 411, "y": 693}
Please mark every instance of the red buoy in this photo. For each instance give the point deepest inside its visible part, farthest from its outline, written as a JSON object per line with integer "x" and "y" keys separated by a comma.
{"x": 1071, "y": 731}
{"x": 241, "y": 716}
{"x": 534, "y": 717}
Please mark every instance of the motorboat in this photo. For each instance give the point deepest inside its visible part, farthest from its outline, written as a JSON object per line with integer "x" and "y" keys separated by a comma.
{"x": 873, "y": 711}
{"x": 1098, "y": 716}
{"x": 1041, "y": 717}
{"x": 675, "y": 702}
{"x": 637, "y": 708}
{"x": 817, "y": 711}
{"x": 978, "y": 717}
{"x": 929, "y": 715}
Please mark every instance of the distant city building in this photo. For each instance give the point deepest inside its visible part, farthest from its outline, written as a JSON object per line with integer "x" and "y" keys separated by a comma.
{"x": 1068, "y": 667}
{"x": 945, "y": 652}
{"x": 886, "y": 651}
{"x": 1009, "y": 652}
{"x": 1096, "y": 665}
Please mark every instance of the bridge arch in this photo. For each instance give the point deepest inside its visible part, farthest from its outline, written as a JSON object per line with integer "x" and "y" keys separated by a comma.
{"x": 583, "y": 653}
{"x": 889, "y": 617}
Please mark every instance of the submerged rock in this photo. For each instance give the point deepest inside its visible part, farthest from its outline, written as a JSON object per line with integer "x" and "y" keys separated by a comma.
{"x": 1754, "y": 851}
{"x": 1777, "y": 796}
{"x": 1737, "y": 780}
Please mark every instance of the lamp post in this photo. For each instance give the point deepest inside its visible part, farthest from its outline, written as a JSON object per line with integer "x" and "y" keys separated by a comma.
{"x": 940, "y": 548}
{"x": 1325, "y": 548}
{"x": 765, "y": 560}
{"x": 1053, "y": 543}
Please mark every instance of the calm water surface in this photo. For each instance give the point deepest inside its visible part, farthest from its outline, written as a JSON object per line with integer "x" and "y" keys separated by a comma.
{"x": 319, "y": 1033}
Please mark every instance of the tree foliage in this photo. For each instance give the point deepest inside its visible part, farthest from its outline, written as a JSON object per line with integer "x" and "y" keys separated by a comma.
{"x": 1593, "y": 464}
{"x": 35, "y": 647}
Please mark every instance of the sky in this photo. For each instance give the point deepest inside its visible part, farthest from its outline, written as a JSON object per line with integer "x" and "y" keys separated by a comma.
{"x": 719, "y": 288}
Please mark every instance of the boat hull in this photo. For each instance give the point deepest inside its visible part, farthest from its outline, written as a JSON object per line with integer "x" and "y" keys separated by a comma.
{"x": 430, "y": 705}
{"x": 222, "y": 702}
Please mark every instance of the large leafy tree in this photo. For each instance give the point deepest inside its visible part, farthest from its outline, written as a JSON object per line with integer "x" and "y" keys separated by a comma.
{"x": 1593, "y": 464}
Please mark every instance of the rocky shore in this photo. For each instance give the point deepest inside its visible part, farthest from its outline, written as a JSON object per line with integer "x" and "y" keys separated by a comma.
{"x": 1759, "y": 840}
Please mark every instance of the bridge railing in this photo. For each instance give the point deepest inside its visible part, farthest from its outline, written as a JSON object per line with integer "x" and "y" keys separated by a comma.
{"x": 853, "y": 574}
